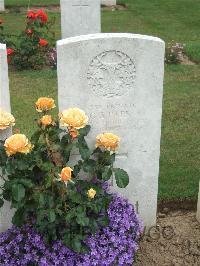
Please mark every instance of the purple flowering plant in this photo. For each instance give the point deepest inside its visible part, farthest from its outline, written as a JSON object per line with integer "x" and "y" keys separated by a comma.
{"x": 60, "y": 205}
{"x": 115, "y": 244}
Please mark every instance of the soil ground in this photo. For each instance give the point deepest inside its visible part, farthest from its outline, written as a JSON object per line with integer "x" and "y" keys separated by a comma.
{"x": 175, "y": 241}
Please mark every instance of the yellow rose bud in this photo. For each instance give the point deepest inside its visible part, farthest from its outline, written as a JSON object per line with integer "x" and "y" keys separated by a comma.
{"x": 6, "y": 120}
{"x": 91, "y": 193}
{"x": 73, "y": 118}
{"x": 46, "y": 120}
{"x": 17, "y": 143}
{"x": 73, "y": 133}
{"x": 66, "y": 174}
{"x": 108, "y": 141}
{"x": 44, "y": 104}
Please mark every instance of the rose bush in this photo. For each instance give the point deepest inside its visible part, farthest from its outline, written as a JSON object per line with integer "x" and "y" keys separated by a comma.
{"x": 31, "y": 48}
{"x": 63, "y": 199}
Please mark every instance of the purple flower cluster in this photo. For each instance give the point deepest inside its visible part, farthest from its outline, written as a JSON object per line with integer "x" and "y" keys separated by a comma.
{"x": 52, "y": 57}
{"x": 114, "y": 244}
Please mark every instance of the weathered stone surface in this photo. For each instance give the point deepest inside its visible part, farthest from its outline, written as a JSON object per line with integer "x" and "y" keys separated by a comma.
{"x": 80, "y": 17}
{"x": 4, "y": 85}
{"x": 198, "y": 206}
{"x": 109, "y": 2}
{"x": 2, "y": 5}
{"x": 118, "y": 80}
{"x": 5, "y": 212}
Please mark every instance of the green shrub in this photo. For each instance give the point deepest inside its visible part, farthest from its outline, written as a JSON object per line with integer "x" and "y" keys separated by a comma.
{"x": 64, "y": 202}
{"x": 31, "y": 47}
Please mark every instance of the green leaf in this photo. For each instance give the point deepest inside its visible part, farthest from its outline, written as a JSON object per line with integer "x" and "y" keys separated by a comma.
{"x": 48, "y": 181}
{"x": 27, "y": 183}
{"x": 106, "y": 174}
{"x": 77, "y": 169}
{"x": 89, "y": 165}
{"x": 76, "y": 244}
{"x": 75, "y": 197}
{"x": 1, "y": 202}
{"x": 35, "y": 137}
{"x": 84, "y": 131}
{"x": 84, "y": 149}
{"x": 65, "y": 139}
{"x": 112, "y": 158}
{"x": 66, "y": 152}
{"x": 108, "y": 158}
{"x": 70, "y": 216}
{"x": 19, "y": 217}
{"x": 122, "y": 178}
{"x": 18, "y": 192}
{"x": 103, "y": 221}
{"x": 51, "y": 216}
{"x": 82, "y": 219}
{"x": 40, "y": 197}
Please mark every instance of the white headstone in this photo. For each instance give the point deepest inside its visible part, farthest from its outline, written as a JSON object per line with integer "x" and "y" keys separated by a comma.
{"x": 198, "y": 206}
{"x": 109, "y": 2}
{"x": 2, "y": 5}
{"x": 118, "y": 80}
{"x": 5, "y": 212}
{"x": 80, "y": 17}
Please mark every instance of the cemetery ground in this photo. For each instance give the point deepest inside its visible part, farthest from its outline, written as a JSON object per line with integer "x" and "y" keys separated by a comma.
{"x": 180, "y": 144}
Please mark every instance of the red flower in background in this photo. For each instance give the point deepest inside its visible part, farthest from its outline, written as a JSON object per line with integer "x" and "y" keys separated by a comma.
{"x": 9, "y": 51}
{"x": 31, "y": 15}
{"x": 43, "y": 42}
{"x": 1, "y": 21}
{"x": 29, "y": 31}
{"x": 42, "y": 15}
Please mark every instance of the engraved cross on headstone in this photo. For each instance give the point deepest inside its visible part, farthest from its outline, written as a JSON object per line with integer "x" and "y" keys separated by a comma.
{"x": 80, "y": 5}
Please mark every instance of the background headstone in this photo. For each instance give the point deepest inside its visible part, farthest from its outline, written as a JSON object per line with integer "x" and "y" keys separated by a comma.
{"x": 80, "y": 17}
{"x": 118, "y": 80}
{"x": 2, "y": 6}
{"x": 109, "y": 2}
{"x": 198, "y": 205}
{"x": 5, "y": 212}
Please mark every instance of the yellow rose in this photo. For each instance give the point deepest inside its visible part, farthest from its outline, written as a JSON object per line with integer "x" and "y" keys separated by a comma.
{"x": 91, "y": 193}
{"x": 17, "y": 143}
{"x": 74, "y": 118}
{"x": 108, "y": 141}
{"x": 66, "y": 174}
{"x": 6, "y": 120}
{"x": 44, "y": 104}
{"x": 46, "y": 120}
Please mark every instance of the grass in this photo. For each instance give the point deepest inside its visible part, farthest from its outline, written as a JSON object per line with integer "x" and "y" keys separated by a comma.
{"x": 192, "y": 49}
{"x": 170, "y": 20}
{"x": 180, "y": 145}
{"x": 14, "y": 3}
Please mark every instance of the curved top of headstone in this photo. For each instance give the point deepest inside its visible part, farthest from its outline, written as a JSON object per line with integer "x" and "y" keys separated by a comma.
{"x": 108, "y": 36}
